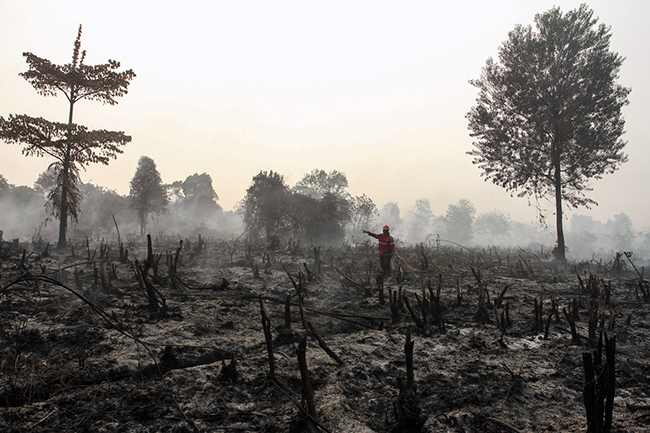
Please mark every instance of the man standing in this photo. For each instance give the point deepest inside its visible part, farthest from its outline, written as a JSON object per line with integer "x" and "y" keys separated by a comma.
{"x": 386, "y": 248}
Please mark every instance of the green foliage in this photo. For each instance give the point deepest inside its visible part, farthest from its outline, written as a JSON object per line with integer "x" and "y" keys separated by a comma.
{"x": 46, "y": 181}
{"x": 317, "y": 183}
{"x": 548, "y": 116}
{"x": 362, "y": 212}
{"x": 270, "y": 209}
{"x": 98, "y": 207}
{"x": 266, "y": 204}
{"x": 332, "y": 214}
{"x": 622, "y": 232}
{"x": 318, "y": 221}
{"x": 76, "y": 80}
{"x": 199, "y": 195}
{"x": 390, "y": 215}
{"x": 147, "y": 194}
{"x": 72, "y": 146}
{"x": 458, "y": 221}
{"x": 420, "y": 219}
{"x": 5, "y": 187}
{"x": 493, "y": 224}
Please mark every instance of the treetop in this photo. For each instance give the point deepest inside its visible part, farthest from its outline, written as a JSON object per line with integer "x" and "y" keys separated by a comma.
{"x": 77, "y": 80}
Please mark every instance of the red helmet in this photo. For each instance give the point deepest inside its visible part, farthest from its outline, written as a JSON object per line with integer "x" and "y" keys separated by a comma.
{"x": 386, "y": 228}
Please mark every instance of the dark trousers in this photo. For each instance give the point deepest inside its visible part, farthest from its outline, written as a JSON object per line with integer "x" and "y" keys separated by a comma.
{"x": 384, "y": 262}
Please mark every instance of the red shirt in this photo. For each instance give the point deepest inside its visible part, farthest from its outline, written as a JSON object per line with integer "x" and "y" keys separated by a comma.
{"x": 386, "y": 243}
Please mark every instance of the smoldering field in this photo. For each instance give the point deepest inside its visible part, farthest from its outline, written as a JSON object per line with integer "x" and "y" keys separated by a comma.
{"x": 86, "y": 347}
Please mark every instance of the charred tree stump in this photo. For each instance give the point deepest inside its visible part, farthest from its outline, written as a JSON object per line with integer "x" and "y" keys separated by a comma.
{"x": 255, "y": 269}
{"x": 324, "y": 345}
{"x": 307, "y": 392}
{"x": 408, "y": 351}
{"x": 600, "y": 384}
{"x": 401, "y": 295}
{"x": 422, "y": 304}
{"x": 424, "y": 261}
{"x": 229, "y": 371}
{"x": 414, "y": 316}
{"x": 380, "y": 288}
{"x": 538, "y": 319}
{"x": 482, "y": 314}
{"x": 499, "y": 301}
{"x": 400, "y": 276}
{"x": 554, "y": 310}
{"x": 287, "y": 312}
{"x": 317, "y": 261}
{"x": 576, "y": 309}
{"x": 266, "y": 326}
{"x": 23, "y": 263}
{"x": 173, "y": 263}
{"x": 103, "y": 272}
{"x": 593, "y": 320}
{"x": 575, "y": 338}
{"x": 644, "y": 287}
{"x": 157, "y": 301}
{"x": 407, "y": 410}
{"x": 310, "y": 275}
{"x": 477, "y": 274}
{"x": 436, "y": 306}
{"x": 394, "y": 310}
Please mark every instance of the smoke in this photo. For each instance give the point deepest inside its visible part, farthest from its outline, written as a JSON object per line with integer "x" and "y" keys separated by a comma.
{"x": 24, "y": 216}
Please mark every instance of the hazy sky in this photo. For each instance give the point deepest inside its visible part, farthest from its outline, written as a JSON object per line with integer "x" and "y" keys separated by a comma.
{"x": 377, "y": 90}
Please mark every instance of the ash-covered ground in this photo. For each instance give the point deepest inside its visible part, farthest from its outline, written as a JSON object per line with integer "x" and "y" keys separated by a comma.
{"x": 87, "y": 344}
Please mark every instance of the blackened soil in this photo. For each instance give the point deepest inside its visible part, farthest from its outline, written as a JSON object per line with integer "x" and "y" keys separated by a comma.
{"x": 84, "y": 353}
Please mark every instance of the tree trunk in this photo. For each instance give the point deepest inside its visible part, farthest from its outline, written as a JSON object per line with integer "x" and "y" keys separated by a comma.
{"x": 63, "y": 211}
{"x": 561, "y": 248}
{"x": 63, "y": 218}
{"x": 143, "y": 224}
{"x": 63, "y": 214}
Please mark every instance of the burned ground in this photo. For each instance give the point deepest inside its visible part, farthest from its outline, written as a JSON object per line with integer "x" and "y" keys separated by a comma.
{"x": 89, "y": 343}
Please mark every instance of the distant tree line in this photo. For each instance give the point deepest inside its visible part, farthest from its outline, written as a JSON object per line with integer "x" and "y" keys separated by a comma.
{"x": 272, "y": 211}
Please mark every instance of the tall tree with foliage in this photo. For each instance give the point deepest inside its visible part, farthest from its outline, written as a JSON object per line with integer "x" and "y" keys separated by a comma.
{"x": 199, "y": 194}
{"x": 147, "y": 194}
{"x": 493, "y": 224}
{"x": 71, "y": 145}
{"x": 390, "y": 215}
{"x": 420, "y": 219}
{"x": 458, "y": 221}
{"x": 548, "y": 116}
{"x": 362, "y": 212}
{"x": 266, "y": 204}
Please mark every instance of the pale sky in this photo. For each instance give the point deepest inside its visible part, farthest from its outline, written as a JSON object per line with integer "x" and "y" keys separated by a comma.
{"x": 378, "y": 90}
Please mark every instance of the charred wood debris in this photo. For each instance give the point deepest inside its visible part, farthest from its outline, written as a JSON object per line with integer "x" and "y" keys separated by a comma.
{"x": 419, "y": 300}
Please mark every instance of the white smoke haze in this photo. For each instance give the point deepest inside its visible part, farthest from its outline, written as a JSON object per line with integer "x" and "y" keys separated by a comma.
{"x": 24, "y": 216}
{"x": 20, "y": 219}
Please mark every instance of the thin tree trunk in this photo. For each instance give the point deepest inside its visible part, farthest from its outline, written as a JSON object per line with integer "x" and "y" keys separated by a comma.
{"x": 63, "y": 211}
{"x": 561, "y": 248}
{"x": 63, "y": 214}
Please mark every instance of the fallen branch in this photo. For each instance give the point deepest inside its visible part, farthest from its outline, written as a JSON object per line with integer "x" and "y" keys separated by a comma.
{"x": 324, "y": 345}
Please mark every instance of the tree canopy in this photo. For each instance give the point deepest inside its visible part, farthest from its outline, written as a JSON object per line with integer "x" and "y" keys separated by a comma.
{"x": 264, "y": 208}
{"x": 147, "y": 194}
{"x": 458, "y": 221}
{"x": 548, "y": 116}
{"x": 317, "y": 183}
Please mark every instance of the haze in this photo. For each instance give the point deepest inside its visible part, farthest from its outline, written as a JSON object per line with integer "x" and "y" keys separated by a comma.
{"x": 377, "y": 90}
